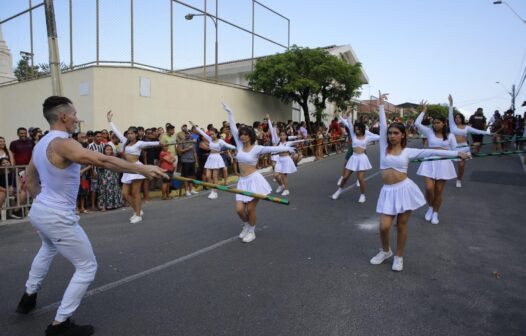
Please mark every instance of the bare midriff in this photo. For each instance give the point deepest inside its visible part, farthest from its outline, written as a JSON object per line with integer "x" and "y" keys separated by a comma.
{"x": 392, "y": 176}
{"x": 358, "y": 150}
{"x": 284, "y": 154}
{"x": 131, "y": 158}
{"x": 245, "y": 169}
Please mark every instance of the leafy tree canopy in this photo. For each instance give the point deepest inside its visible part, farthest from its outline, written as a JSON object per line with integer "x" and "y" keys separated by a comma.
{"x": 304, "y": 75}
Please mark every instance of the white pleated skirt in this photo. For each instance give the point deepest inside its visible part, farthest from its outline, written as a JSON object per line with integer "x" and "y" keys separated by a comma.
{"x": 437, "y": 170}
{"x": 274, "y": 157}
{"x": 255, "y": 183}
{"x": 128, "y": 178}
{"x": 214, "y": 161}
{"x": 358, "y": 162}
{"x": 399, "y": 197}
{"x": 285, "y": 165}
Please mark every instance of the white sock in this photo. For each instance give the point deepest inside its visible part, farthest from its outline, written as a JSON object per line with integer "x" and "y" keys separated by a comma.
{"x": 435, "y": 214}
{"x": 251, "y": 229}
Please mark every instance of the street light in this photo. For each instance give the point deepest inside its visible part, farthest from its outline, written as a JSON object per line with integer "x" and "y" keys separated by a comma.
{"x": 514, "y": 12}
{"x": 189, "y": 17}
{"x": 511, "y": 93}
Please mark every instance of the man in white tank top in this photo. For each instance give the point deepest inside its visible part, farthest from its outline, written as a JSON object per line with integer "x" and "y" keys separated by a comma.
{"x": 53, "y": 178}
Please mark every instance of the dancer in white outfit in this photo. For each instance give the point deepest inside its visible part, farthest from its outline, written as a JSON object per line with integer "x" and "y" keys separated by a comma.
{"x": 53, "y": 178}
{"x": 458, "y": 127}
{"x": 436, "y": 173}
{"x": 358, "y": 162}
{"x": 274, "y": 138}
{"x": 131, "y": 183}
{"x": 399, "y": 195}
{"x": 251, "y": 180}
{"x": 284, "y": 165}
{"x": 215, "y": 161}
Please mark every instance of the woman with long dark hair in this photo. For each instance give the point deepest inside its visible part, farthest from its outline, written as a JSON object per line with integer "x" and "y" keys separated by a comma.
{"x": 215, "y": 161}
{"x": 399, "y": 196}
{"x": 436, "y": 173}
{"x": 251, "y": 180}
{"x": 359, "y": 161}
{"x": 457, "y": 125}
{"x": 131, "y": 183}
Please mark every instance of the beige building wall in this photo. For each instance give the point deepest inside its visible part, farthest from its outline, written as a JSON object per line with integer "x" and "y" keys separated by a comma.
{"x": 174, "y": 99}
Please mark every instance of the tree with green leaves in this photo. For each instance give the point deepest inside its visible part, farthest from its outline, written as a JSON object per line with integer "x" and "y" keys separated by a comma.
{"x": 24, "y": 71}
{"x": 304, "y": 76}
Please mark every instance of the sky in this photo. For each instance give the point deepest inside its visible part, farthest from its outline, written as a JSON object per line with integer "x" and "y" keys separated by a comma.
{"x": 412, "y": 49}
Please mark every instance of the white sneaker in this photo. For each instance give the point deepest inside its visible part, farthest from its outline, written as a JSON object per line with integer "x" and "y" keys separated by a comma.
{"x": 459, "y": 184}
{"x": 279, "y": 189}
{"x": 212, "y": 195}
{"x": 135, "y": 219}
{"x": 434, "y": 219}
{"x": 134, "y": 215}
{"x": 188, "y": 193}
{"x": 358, "y": 183}
{"x": 429, "y": 214}
{"x": 381, "y": 256}
{"x": 244, "y": 232}
{"x": 398, "y": 264}
{"x": 194, "y": 192}
{"x": 215, "y": 195}
{"x": 361, "y": 199}
{"x": 336, "y": 194}
{"x": 339, "y": 181}
{"x": 285, "y": 192}
{"x": 250, "y": 236}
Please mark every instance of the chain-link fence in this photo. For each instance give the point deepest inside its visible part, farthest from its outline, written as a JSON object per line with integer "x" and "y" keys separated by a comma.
{"x": 198, "y": 38}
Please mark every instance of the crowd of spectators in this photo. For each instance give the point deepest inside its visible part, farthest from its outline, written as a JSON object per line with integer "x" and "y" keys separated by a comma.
{"x": 186, "y": 152}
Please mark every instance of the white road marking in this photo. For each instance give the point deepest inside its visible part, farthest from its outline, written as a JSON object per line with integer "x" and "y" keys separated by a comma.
{"x": 140, "y": 275}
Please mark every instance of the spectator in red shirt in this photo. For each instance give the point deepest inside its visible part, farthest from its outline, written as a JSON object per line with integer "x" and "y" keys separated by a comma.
{"x": 22, "y": 148}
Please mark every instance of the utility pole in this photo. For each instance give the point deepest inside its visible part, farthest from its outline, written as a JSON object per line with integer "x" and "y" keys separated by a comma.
{"x": 513, "y": 95}
{"x": 54, "y": 60}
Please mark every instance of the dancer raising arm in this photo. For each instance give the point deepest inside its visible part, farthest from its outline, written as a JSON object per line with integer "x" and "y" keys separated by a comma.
{"x": 399, "y": 195}
{"x": 215, "y": 162}
{"x": 458, "y": 127}
{"x": 358, "y": 162}
{"x": 250, "y": 180}
{"x": 436, "y": 173}
{"x": 131, "y": 183}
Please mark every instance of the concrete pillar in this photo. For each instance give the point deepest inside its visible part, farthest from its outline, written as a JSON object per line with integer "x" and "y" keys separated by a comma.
{"x": 6, "y": 61}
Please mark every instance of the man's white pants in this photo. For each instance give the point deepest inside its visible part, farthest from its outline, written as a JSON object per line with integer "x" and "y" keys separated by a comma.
{"x": 60, "y": 232}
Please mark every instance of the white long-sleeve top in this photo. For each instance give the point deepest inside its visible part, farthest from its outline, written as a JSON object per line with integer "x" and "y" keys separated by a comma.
{"x": 462, "y": 131}
{"x": 432, "y": 140}
{"x": 273, "y": 133}
{"x": 400, "y": 162}
{"x": 217, "y": 145}
{"x": 136, "y": 148}
{"x": 251, "y": 157}
{"x": 362, "y": 142}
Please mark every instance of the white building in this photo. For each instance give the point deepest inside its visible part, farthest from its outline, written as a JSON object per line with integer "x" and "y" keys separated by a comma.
{"x": 235, "y": 72}
{"x": 6, "y": 61}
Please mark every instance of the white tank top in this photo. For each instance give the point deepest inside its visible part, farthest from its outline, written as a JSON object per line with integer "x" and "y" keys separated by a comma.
{"x": 59, "y": 187}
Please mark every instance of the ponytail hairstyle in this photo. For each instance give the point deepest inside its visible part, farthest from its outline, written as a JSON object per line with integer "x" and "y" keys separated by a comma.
{"x": 130, "y": 129}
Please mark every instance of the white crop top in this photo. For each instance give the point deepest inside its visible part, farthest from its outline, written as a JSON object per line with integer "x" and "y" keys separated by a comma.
{"x": 215, "y": 146}
{"x": 432, "y": 140}
{"x": 137, "y": 147}
{"x": 367, "y": 138}
{"x": 400, "y": 162}
{"x": 251, "y": 157}
{"x": 462, "y": 131}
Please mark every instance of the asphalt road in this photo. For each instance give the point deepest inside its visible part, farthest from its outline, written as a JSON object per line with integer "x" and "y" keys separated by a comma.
{"x": 182, "y": 271}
